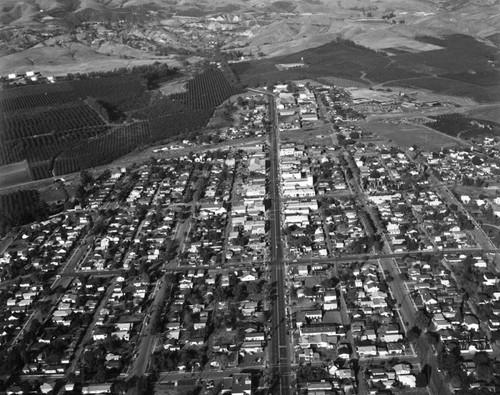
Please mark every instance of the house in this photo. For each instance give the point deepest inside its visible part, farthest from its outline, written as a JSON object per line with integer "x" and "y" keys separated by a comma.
{"x": 122, "y": 335}
{"x": 99, "y": 335}
{"x": 367, "y": 351}
{"x": 465, "y": 199}
{"x": 440, "y": 322}
{"x": 212, "y": 209}
{"x": 45, "y": 388}
{"x": 255, "y": 336}
{"x": 402, "y": 368}
{"x": 314, "y": 315}
{"x": 239, "y": 384}
{"x": 471, "y": 322}
{"x": 104, "y": 388}
{"x": 251, "y": 347}
{"x": 15, "y": 390}
{"x": 303, "y": 270}
{"x": 408, "y": 380}
{"x": 395, "y": 348}
{"x": 319, "y": 386}
{"x": 330, "y": 295}
{"x": 248, "y": 277}
{"x": 344, "y": 351}
{"x": 345, "y": 373}
{"x": 391, "y": 337}
{"x": 489, "y": 279}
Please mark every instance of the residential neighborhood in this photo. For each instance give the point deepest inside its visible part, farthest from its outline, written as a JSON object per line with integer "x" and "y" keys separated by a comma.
{"x": 348, "y": 266}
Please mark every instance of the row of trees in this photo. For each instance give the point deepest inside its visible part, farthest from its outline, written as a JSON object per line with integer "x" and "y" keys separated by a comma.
{"x": 20, "y": 208}
{"x": 152, "y": 73}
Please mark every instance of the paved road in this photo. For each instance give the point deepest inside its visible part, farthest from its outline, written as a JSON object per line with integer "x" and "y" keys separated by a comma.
{"x": 76, "y": 363}
{"x": 407, "y": 310}
{"x": 145, "y": 348}
{"x": 7, "y": 241}
{"x": 280, "y": 339}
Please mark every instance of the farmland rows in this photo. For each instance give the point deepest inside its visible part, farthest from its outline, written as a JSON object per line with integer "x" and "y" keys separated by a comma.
{"x": 12, "y": 152}
{"x": 40, "y": 170}
{"x": 33, "y": 100}
{"x": 457, "y": 125}
{"x": 50, "y": 121}
{"x": 177, "y": 124}
{"x": 19, "y": 207}
{"x": 103, "y": 149}
{"x": 127, "y": 92}
{"x": 45, "y": 146}
{"x": 206, "y": 90}
{"x": 64, "y": 137}
{"x": 161, "y": 108}
{"x": 59, "y": 128}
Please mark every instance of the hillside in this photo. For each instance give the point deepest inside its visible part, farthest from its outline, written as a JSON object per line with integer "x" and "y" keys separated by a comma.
{"x": 276, "y": 28}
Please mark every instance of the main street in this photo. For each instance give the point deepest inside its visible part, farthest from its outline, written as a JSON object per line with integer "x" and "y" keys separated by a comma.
{"x": 280, "y": 339}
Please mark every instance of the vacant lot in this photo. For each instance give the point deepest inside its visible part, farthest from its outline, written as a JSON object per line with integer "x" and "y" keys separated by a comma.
{"x": 310, "y": 134}
{"x": 14, "y": 174}
{"x": 408, "y": 135}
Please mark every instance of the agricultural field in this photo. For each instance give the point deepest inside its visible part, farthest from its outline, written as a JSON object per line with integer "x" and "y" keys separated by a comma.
{"x": 341, "y": 58}
{"x": 20, "y": 207}
{"x": 407, "y": 135}
{"x": 14, "y": 174}
{"x": 69, "y": 126}
{"x": 457, "y": 125}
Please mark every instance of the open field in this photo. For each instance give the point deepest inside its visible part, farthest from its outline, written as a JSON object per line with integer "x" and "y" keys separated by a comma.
{"x": 73, "y": 58}
{"x": 490, "y": 114}
{"x": 408, "y": 135}
{"x": 13, "y": 174}
{"x": 313, "y": 134}
{"x": 461, "y": 54}
{"x": 482, "y": 94}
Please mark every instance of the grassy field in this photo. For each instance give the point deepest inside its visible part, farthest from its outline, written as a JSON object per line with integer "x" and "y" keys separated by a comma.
{"x": 14, "y": 174}
{"x": 58, "y": 61}
{"x": 314, "y": 134}
{"x": 490, "y": 114}
{"x": 482, "y": 94}
{"x": 408, "y": 135}
{"x": 461, "y": 53}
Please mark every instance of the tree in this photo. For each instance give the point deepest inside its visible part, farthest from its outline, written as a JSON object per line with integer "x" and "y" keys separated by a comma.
{"x": 484, "y": 367}
{"x": 86, "y": 178}
{"x": 414, "y": 333}
{"x": 311, "y": 373}
{"x": 422, "y": 319}
{"x": 240, "y": 291}
{"x": 432, "y": 338}
{"x": 476, "y": 160}
{"x": 105, "y": 175}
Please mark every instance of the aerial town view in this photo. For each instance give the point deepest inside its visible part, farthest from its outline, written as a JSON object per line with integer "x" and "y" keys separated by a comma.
{"x": 250, "y": 197}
